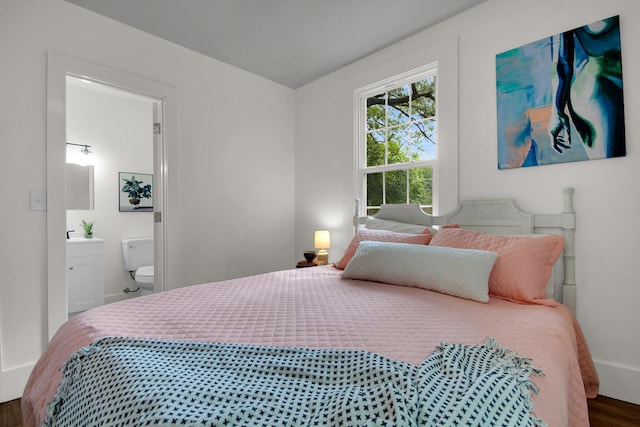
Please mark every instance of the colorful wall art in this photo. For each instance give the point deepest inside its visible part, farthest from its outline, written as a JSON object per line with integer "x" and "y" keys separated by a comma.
{"x": 559, "y": 99}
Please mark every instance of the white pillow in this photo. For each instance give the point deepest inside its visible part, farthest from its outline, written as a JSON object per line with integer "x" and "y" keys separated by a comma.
{"x": 398, "y": 227}
{"x": 460, "y": 272}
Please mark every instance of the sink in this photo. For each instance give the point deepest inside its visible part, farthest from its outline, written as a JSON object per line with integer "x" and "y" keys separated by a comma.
{"x": 79, "y": 246}
{"x": 82, "y": 240}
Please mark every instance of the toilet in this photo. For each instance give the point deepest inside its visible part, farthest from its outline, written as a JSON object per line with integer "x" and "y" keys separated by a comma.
{"x": 138, "y": 258}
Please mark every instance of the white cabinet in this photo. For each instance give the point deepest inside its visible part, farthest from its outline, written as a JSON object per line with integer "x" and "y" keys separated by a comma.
{"x": 85, "y": 274}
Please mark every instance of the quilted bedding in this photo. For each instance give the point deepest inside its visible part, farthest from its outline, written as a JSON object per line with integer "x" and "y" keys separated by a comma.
{"x": 316, "y": 308}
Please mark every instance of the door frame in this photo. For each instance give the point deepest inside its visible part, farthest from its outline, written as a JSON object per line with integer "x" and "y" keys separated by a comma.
{"x": 58, "y": 68}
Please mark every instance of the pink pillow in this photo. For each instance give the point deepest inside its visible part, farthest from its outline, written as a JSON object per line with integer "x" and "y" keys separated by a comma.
{"x": 450, "y": 226}
{"x": 524, "y": 264}
{"x": 380, "y": 236}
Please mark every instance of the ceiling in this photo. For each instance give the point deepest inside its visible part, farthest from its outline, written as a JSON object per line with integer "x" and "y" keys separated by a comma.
{"x": 292, "y": 42}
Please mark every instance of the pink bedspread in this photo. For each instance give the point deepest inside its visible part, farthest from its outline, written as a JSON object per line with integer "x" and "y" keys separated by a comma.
{"x": 314, "y": 307}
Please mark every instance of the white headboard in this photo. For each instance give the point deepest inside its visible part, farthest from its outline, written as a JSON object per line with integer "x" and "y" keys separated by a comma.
{"x": 502, "y": 216}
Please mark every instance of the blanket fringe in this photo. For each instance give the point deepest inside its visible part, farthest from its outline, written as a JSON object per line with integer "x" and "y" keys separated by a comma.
{"x": 70, "y": 372}
{"x": 520, "y": 368}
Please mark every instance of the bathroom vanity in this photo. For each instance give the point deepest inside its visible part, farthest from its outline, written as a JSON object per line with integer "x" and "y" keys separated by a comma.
{"x": 85, "y": 274}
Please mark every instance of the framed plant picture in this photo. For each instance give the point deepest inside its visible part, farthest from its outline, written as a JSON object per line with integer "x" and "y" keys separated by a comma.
{"x": 136, "y": 192}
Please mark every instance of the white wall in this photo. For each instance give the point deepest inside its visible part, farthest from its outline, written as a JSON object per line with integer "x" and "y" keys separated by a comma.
{"x": 607, "y": 248}
{"x": 233, "y": 129}
{"x": 118, "y": 126}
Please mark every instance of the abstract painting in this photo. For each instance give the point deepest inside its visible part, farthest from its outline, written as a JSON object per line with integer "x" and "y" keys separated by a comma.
{"x": 560, "y": 99}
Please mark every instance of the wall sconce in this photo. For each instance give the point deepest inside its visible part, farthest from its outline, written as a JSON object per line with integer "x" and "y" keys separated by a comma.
{"x": 81, "y": 159}
{"x": 322, "y": 241}
{"x": 84, "y": 149}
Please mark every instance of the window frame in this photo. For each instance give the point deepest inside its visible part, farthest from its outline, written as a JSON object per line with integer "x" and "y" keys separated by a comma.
{"x": 386, "y": 85}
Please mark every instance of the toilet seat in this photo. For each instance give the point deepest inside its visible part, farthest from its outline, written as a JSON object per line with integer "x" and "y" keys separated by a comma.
{"x": 144, "y": 276}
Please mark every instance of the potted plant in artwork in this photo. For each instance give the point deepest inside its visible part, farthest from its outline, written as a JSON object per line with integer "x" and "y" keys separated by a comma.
{"x": 88, "y": 229}
{"x": 136, "y": 190}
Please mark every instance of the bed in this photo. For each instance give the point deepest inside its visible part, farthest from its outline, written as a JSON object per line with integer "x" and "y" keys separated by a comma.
{"x": 373, "y": 315}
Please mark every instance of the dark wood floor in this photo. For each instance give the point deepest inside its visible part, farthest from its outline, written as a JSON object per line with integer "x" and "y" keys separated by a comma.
{"x": 10, "y": 414}
{"x": 608, "y": 412}
{"x": 603, "y": 412}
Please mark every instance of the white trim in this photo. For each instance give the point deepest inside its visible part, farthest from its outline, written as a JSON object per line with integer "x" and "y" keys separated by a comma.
{"x": 58, "y": 67}
{"x": 444, "y": 55}
{"x": 13, "y": 382}
{"x": 619, "y": 382}
{"x": 402, "y": 166}
{"x": 420, "y": 73}
{"x": 398, "y": 80}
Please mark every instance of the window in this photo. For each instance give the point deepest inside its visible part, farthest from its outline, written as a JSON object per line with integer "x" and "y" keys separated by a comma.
{"x": 397, "y": 140}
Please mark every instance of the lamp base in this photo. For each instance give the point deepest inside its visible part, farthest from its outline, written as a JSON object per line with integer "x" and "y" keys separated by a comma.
{"x": 323, "y": 257}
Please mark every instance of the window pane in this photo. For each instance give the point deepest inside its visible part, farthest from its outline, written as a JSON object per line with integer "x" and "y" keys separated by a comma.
{"x": 421, "y": 186}
{"x": 398, "y": 145}
{"x": 375, "y": 148}
{"x": 398, "y": 106}
{"x": 423, "y": 138}
{"x": 374, "y": 189}
{"x": 395, "y": 186}
{"x": 423, "y": 103}
{"x": 376, "y": 111}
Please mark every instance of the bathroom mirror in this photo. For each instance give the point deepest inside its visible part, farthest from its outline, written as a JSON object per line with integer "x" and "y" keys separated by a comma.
{"x": 79, "y": 187}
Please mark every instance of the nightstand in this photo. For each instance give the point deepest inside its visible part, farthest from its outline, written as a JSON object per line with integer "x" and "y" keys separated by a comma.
{"x": 305, "y": 263}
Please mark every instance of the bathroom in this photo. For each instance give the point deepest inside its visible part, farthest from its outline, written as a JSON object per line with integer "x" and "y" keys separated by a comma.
{"x": 117, "y": 128}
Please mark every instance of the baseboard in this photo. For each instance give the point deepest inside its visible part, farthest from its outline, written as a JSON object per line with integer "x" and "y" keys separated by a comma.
{"x": 12, "y": 382}
{"x": 619, "y": 382}
{"x": 108, "y": 299}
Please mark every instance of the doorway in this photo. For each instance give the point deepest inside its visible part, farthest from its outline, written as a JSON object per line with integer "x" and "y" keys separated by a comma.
{"x": 110, "y": 138}
{"x": 60, "y": 68}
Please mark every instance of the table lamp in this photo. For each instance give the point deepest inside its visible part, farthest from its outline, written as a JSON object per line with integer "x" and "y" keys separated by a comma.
{"x": 322, "y": 241}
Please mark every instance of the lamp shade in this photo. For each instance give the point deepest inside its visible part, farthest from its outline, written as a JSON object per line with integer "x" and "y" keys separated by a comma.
{"x": 322, "y": 240}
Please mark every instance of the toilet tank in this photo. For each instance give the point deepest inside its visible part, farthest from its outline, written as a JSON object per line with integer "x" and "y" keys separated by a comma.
{"x": 137, "y": 253}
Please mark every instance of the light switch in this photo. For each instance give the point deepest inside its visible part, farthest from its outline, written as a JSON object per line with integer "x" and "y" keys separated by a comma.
{"x": 38, "y": 200}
